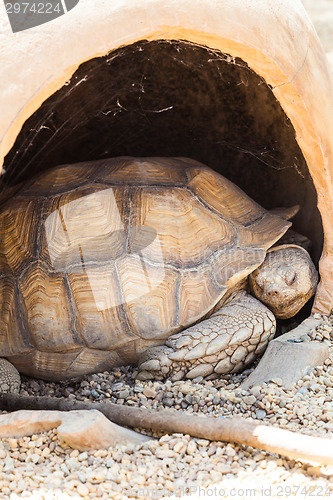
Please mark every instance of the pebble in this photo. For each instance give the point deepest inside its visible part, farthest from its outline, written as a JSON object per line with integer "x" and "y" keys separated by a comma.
{"x": 82, "y": 490}
{"x": 12, "y": 443}
{"x": 9, "y": 464}
{"x": 261, "y": 414}
{"x": 191, "y": 447}
{"x": 169, "y": 402}
{"x": 302, "y": 390}
{"x": 30, "y": 466}
{"x": 164, "y": 453}
{"x": 124, "y": 394}
{"x": 149, "y": 393}
{"x": 82, "y": 457}
{"x": 256, "y": 390}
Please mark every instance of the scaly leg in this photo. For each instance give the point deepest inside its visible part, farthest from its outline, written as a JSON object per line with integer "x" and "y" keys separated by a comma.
{"x": 10, "y": 380}
{"x": 224, "y": 343}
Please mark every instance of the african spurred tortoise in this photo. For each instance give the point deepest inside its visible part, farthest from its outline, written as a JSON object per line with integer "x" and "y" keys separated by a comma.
{"x": 126, "y": 261}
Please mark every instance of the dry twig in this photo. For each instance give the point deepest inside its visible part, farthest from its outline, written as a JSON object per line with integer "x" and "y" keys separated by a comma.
{"x": 233, "y": 429}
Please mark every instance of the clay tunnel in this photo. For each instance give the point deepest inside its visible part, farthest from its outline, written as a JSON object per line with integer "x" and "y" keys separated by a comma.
{"x": 174, "y": 98}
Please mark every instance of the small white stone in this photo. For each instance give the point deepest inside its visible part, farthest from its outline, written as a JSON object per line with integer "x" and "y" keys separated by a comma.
{"x": 83, "y": 490}
{"x": 191, "y": 447}
{"x": 164, "y": 453}
{"x": 83, "y": 456}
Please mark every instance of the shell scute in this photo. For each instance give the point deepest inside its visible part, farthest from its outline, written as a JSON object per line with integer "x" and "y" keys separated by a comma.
{"x": 97, "y": 298}
{"x": 187, "y": 233}
{"x": 222, "y": 196}
{"x": 18, "y": 235}
{"x": 47, "y": 310}
{"x": 83, "y": 227}
{"x": 57, "y": 366}
{"x": 61, "y": 179}
{"x": 143, "y": 171}
{"x": 230, "y": 266}
{"x": 197, "y": 293}
{"x": 149, "y": 293}
{"x": 41, "y": 364}
{"x": 11, "y": 340}
{"x": 264, "y": 232}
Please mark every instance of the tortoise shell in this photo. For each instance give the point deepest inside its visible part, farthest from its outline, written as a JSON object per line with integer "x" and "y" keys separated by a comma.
{"x": 101, "y": 260}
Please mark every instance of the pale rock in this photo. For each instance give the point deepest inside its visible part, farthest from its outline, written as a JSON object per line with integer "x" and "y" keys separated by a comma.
{"x": 82, "y": 490}
{"x": 191, "y": 447}
{"x": 80, "y": 429}
{"x": 82, "y": 457}
{"x": 150, "y": 393}
{"x": 165, "y": 454}
{"x": 289, "y": 357}
{"x": 90, "y": 429}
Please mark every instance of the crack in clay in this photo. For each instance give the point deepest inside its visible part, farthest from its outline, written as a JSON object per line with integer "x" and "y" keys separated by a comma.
{"x": 297, "y": 72}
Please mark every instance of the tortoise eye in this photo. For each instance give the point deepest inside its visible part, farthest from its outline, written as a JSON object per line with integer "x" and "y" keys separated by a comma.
{"x": 290, "y": 277}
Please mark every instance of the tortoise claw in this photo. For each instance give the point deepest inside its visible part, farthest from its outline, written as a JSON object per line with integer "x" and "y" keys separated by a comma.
{"x": 154, "y": 362}
{"x": 150, "y": 365}
{"x": 144, "y": 375}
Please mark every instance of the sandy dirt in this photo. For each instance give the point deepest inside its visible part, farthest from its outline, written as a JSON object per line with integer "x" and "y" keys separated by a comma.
{"x": 321, "y": 14}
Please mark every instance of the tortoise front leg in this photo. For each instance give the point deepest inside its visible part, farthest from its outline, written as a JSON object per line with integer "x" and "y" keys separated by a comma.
{"x": 10, "y": 380}
{"x": 224, "y": 343}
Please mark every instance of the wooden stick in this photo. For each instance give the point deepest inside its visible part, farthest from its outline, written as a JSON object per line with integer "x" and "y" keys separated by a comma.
{"x": 234, "y": 429}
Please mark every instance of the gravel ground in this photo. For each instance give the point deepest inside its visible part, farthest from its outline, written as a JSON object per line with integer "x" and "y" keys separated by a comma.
{"x": 42, "y": 467}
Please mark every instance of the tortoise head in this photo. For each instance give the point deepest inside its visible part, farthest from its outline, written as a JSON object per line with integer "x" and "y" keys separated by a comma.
{"x": 285, "y": 281}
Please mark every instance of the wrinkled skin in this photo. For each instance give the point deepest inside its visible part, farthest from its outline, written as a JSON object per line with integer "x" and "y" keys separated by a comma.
{"x": 285, "y": 281}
